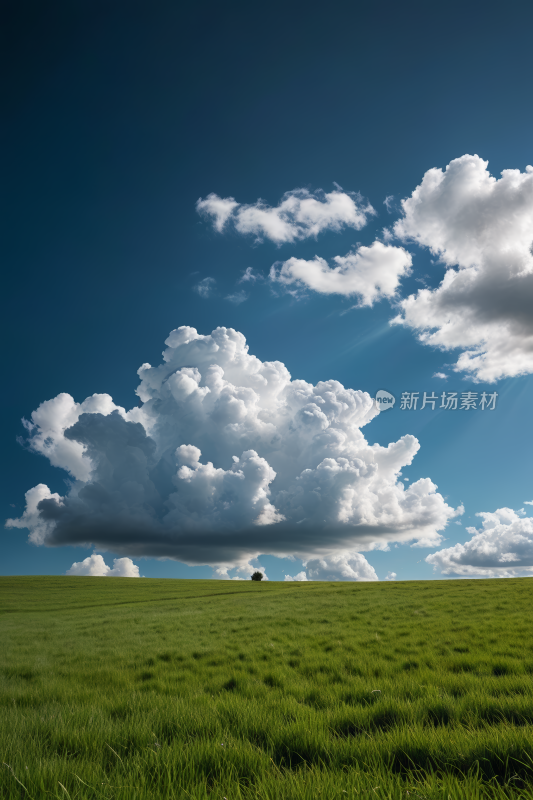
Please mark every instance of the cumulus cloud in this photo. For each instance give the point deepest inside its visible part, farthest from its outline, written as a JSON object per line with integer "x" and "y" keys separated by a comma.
{"x": 32, "y": 519}
{"x": 370, "y": 272}
{"x": 441, "y": 375}
{"x": 502, "y": 548}
{"x": 300, "y": 214}
{"x": 226, "y": 458}
{"x": 481, "y": 228}
{"x": 95, "y": 565}
{"x": 301, "y": 576}
{"x": 243, "y": 567}
{"x": 48, "y": 424}
{"x": 341, "y": 566}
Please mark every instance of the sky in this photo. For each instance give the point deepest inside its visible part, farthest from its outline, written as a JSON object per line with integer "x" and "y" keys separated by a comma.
{"x": 225, "y": 230}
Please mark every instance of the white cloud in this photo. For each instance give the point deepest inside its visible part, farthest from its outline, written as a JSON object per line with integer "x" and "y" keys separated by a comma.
{"x": 502, "y": 548}
{"x": 227, "y": 458}
{"x": 219, "y": 208}
{"x": 441, "y": 375}
{"x": 32, "y": 519}
{"x": 391, "y": 576}
{"x": 370, "y": 272}
{"x": 422, "y": 541}
{"x": 250, "y": 275}
{"x": 389, "y": 203}
{"x": 301, "y": 576}
{"x": 95, "y": 565}
{"x": 528, "y": 502}
{"x": 205, "y": 287}
{"x": 52, "y": 418}
{"x": 237, "y": 297}
{"x": 299, "y": 215}
{"x": 244, "y": 567}
{"x": 482, "y": 230}
{"x": 340, "y": 566}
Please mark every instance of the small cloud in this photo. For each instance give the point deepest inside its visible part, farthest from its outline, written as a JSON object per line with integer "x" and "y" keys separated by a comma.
{"x": 441, "y": 375}
{"x": 391, "y": 576}
{"x": 219, "y": 208}
{"x": 237, "y": 297}
{"x": 205, "y": 288}
{"x": 372, "y": 273}
{"x": 528, "y": 502}
{"x": 250, "y": 275}
{"x": 221, "y": 573}
{"x": 301, "y": 576}
{"x": 95, "y": 566}
{"x": 389, "y": 203}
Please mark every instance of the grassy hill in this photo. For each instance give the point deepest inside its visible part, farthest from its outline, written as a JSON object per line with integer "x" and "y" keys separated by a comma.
{"x": 139, "y": 688}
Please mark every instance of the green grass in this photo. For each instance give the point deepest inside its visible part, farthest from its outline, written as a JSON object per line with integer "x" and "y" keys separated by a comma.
{"x": 120, "y": 688}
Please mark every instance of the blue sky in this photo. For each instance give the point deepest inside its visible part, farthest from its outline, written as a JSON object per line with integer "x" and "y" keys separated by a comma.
{"x": 118, "y": 119}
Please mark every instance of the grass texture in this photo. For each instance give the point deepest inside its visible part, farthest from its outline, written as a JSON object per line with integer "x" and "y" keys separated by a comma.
{"x": 133, "y": 689}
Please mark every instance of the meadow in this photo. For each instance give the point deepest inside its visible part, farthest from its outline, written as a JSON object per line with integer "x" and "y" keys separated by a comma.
{"x": 139, "y": 688}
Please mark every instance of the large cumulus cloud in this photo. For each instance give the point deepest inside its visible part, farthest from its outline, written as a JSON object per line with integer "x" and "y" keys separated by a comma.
{"x": 481, "y": 228}
{"x": 502, "y": 548}
{"x": 225, "y": 458}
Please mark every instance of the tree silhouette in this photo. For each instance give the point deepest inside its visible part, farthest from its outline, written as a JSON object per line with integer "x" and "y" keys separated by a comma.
{"x": 257, "y": 576}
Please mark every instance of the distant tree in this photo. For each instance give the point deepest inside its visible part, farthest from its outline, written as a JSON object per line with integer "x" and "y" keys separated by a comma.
{"x": 257, "y": 576}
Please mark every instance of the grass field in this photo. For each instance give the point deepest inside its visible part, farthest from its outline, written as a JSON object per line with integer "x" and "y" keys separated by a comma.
{"x": 124, "y": 688}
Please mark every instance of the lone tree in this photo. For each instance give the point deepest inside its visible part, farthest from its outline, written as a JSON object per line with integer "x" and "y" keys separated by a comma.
{"x": 257, "y": 576}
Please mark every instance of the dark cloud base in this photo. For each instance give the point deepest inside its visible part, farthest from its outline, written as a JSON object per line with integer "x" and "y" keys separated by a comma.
{"x": 137, "y": 539}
